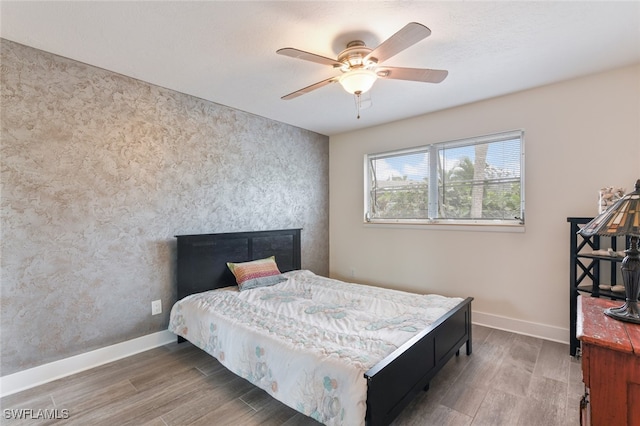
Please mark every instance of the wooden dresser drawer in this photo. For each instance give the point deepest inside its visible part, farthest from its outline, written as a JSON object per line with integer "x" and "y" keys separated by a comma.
{"x": 610, "y": 365}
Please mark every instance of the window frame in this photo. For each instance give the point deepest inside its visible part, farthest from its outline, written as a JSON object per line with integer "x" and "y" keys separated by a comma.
{"x": 484, "y": 224}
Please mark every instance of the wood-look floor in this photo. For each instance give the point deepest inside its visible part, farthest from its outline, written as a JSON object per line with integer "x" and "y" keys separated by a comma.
{"x": 508, "y": 380}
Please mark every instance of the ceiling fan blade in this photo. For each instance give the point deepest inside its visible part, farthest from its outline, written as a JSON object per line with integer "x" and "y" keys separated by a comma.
{"x": 409, "y": 35}
{"x": 307, "y": 56}
{"x": 310, "y": 88}
{"x": 412, "y": 74}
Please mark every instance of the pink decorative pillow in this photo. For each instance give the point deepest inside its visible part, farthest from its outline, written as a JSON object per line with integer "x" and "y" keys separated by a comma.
{"x": 257, "y": 273}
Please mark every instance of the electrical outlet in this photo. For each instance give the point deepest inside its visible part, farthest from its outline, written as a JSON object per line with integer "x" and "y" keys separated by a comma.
{"x": 156, "y": 307}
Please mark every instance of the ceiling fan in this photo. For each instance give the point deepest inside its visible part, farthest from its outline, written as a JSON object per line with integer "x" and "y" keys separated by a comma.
{"x": 360, "y": 67}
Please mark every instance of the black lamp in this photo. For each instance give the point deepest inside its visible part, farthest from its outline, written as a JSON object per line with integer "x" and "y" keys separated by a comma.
{"x": 623, "y": 218}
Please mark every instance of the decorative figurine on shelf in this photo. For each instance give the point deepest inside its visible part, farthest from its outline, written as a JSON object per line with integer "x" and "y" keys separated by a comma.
{"x": 608, "y": 196}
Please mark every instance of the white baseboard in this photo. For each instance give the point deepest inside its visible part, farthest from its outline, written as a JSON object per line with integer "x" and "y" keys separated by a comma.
{"x": 35, "y": 376}
{"x": 542, "y": 331}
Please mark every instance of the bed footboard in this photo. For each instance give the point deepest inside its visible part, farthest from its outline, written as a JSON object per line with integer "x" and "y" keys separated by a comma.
{"x": 396, "y": 380}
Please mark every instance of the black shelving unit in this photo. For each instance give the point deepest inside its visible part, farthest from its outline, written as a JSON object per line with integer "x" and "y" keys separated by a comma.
{"x": 587, "y": 268}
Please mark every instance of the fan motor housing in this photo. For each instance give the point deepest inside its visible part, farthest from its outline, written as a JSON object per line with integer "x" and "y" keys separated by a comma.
{"x": 353, "y": 56}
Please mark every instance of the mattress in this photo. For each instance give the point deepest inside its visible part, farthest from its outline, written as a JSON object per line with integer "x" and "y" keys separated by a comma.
{"x": 308, "y": 340}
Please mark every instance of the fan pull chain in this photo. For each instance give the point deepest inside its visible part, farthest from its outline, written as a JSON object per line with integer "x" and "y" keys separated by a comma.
{"x": 358, "y": 100}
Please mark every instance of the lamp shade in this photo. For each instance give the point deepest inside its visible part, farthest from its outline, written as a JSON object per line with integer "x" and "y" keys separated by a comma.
{"x": 358, "y": 80}
{"x": 622, "y": 218}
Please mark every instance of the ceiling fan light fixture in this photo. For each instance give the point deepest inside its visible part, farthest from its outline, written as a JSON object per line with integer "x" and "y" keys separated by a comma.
{"x": 358, "y": 80}
{"x": 359, "y": 63}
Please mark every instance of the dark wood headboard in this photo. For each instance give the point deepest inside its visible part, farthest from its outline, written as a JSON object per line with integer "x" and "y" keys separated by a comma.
{"x": 202, "y": 259}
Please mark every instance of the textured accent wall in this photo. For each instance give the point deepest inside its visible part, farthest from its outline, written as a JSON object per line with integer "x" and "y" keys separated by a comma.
{"x": 100, "y": 171}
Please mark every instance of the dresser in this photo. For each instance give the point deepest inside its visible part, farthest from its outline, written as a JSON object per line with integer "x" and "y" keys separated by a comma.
{"x": 610, "y": 364}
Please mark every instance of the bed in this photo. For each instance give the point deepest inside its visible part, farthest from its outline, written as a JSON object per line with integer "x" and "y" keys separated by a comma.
{"x": 388, "y": 383}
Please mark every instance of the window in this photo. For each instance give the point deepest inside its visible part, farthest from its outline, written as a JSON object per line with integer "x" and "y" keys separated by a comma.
{"x": 470, "y": 181}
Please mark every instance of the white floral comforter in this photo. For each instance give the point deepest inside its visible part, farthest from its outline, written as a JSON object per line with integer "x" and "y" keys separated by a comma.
{"x": 309, "y": 340}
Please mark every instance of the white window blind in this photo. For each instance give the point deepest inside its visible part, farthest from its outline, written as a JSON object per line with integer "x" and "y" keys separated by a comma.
{"x": 476, "y": 179}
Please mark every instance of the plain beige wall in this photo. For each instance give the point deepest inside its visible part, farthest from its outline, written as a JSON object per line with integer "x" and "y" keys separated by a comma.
{"x": 580, "y": 135}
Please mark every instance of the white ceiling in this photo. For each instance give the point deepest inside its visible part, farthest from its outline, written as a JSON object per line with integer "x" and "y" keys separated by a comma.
{"x": 225, "y": 51}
